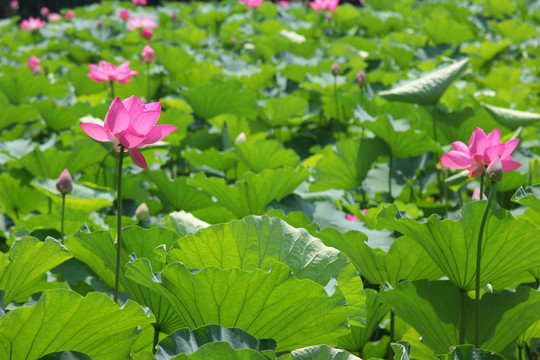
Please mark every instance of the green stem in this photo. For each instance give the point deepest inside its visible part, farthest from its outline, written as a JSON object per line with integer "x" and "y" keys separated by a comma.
{"x": 148, "y": 82}
{"x": 492, "y": 192}
{"x": 482, "y": 184}
{"x": 390, "y": 198}
{"x": 434, "y": 123}
{"x": 392, "y": 333}
{"x": 156, "y": 338}
{"x": 62, "y": 224}
{"x": 111, "y": 85}
{"x": 337, "y": 100}
{"x": 463, "y": 323}
{"x": 119, "y": 225}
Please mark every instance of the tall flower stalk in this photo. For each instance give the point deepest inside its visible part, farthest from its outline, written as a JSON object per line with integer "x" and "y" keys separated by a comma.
{"x": 130, "y": 124}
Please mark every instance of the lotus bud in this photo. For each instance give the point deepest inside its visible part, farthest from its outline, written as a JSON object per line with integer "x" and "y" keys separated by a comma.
{"x": 99, "y": 24}
{"x": 241, "y": 138}
{"x": 361, "y": 79}
{"x": 329, "y": 17}
{"x": 174, "y": 17}
{"x": 335, "y": 69}
{"x": 70, "y": 14}
{"x": 124, "y": 14}
{"x": 233, "y": 41}
{"x": 33, "y": 61}
{"x": 147, "y": 33}
{"x": 476, "y": 195}
{"x": 148, "y": 54}
{"x": 14, "y": 5}
{"x": 45, "y": 11}
{"x": 495, "y": 169}
{"x": 142, "y": 213}
{"x": 64, "y": 184}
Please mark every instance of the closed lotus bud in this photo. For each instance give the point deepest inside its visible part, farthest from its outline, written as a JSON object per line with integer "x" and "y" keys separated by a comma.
{"x": 33, "y": 61}
{"x": 70, "y": 14}
{"x": 233, "y": 41}
{"x": 335, "y": 69}
{"x": 45, "y": 11}
{"x": 241, "y": 138}
{"x": 142, "y": 213}
{"x": 124, "y": 14}
{"x": 495, "y": 169}
{"x": 174, "y": 17}
{"x": 147, "y": 33}
{"x": 361, "y": 78}
{"x": 476, "y": 195}
{"x": 148, "y": 54}
{"x": 14, "y": 5}
{"x": 64, "y": 184}
{"x": 99, "y": 23}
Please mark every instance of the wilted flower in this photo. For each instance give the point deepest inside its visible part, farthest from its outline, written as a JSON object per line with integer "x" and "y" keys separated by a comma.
{"x": 64, "y": 184}
{"x": 142, "y": 213}
{"x": 481, "y": 151}
{"x": 147, "y": 33}
{"x": 32, "y": 24}
{"x": 124, "y": 14}
{"x": 70, "y": 14}
{"x": 251, "y": 3}
{"x": 108, "y": 72}
{"x": 335, "y": 69}
{"x": 131, "y": 124}
{"x": 148, "y": 54}
{"x": 136, "y": 22}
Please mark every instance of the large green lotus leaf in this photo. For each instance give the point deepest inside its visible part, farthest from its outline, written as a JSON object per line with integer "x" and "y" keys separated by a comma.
{"x": 268, "y": 304}
{"x": 401, "y": 350}
{"x": 17, "y": 114}
{"x": 279, "y": 111}
{"x": 18, "y": 200}
{"x": 484, "y": 51}
{"x": 142, "y": 243}
{"x": 56, "y": 117}
{"x": 256, "y": 242}
{"x": 346, "y": 165}
{"x": 64, "y": 320}
{"x": 433, "y": 308}
{"x": 66, "y": 355}
{"x": 468, "y": 352}
{"x": 429, "y": 88}
{"x": 529, "y": 197}
{"x": 511, "y": 118}
{"x": 24, "y": 271}
{"x": 19, "y": 87}
{"x": 209, "y": 342}
{"x": 375, "y": 313}
{"x": 177, "y": 194}
{"x": 208, "y": 101}
{"x": 250, "y": 196}
{"x": 455, "y": 32}
{"x": 85, "y": 196}
{"x": 319, "y": 352}
{"x": 403, "y": 141}
{"x": 175, "y": 59}
{"x": 452, "y": 244}
{"x": 218, "y": 160}
{"x": 184, "y": 223}
{"x": 515, "y": 29}
{"x": 50, "y": 163}
{"x": 266, "y": 154}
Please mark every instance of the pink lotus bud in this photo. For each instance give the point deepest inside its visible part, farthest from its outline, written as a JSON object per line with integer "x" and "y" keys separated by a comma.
{"x": 283, "y": 3}
{"x": 364, "y": 211}
{"x": 233, "y": 41}
{"x": 36, "y": 70}
{"x": 99, "y": 24}
{"x": 54, "y": 17}
{"x": 142, "y": 213}
{"x": 335, "y": 69}
{"x": 124, "y": 14}
{"x": 70, "y": 14}
{"x": 147, "y": 33}
{"x": 241, "y": 138}
{"x": 476, "y": 195}
{"x": 361, "y": 78}
{"x": 44, "y": 11}
{"x": 352, "y": 217}
{"x": 64, "y": 184}
{"x": 495, "y": 169}
{"x": 138, "y": 2}
{"x": 329, "y": 17}
{"x": 14, "y": 4}
{"x": 33, "y": 61}
{"x": 174, "y": 17}
{"x": 148, "y": 54}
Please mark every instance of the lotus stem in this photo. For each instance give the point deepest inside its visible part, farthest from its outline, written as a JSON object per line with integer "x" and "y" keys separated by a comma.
{"x": 62, "y": 221}
{"x": 492, "y": 192}
{"x": 111, "y": 85}
{"x": 337, "y": 101}
{"x": 390, "y": 169}
{"x": 156, "y": 338}
{"x": 119, "y": 225}
{"x": 148, "y": 82}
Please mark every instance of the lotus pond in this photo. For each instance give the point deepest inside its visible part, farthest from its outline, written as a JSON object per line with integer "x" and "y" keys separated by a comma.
{"x": 283, "y": 181}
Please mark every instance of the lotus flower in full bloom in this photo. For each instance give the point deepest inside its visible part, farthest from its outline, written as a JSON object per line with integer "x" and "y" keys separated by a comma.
{"x": 482, "y": 150}
{"x": 131, "y": 124}
{"x": 108, "y": 72}
{"x": 318, "y": 5}
{"x": 32, "y": 23}
{"x": 252, "y": 3}
{"x": 136, "y": 22}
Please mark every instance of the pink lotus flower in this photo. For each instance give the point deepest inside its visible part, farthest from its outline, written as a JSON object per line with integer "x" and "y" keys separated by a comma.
{"x": 136, "y": 22}
{"x": 14, "y": 4}
{"x": 70, "y": 14}
{"x": 283, "y": 3}
{"x": 54, "y": 17}
{"x": 476, "y": 195}
{"x": 361, "y": 78}
{"x": 33, "y": 61}
{"x": 251, "y": 3}
{"x": 318, "y": 5}
{"x": 148, "y": 54}
{"x": 174, "y": 17}
{"x": 147, "y": 33}
{"x": 481, "y": 151}
{"x": 124, "y": 14}
{"x": 45, "y": 11}
{"x": 138, "y": 2}
{"x": 32, "y": 24}
{"x": 131, "y": 124}
{"x": 352, "y": 217}
{"x": 108, "y": 72}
